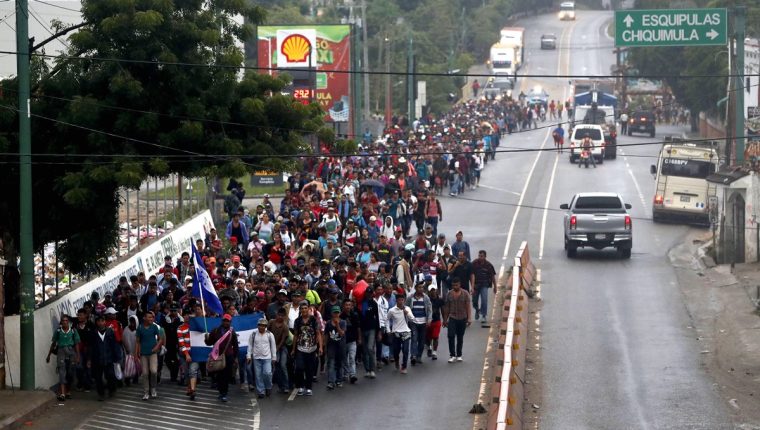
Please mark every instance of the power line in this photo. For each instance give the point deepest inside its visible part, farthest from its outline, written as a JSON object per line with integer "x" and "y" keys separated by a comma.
{"x": 58, "y": 6}
{"x": 131, "y": 139}
{"x": 333, "y": 155}
{"x": 364, "y": 72}
{"x": 39, "y": 21}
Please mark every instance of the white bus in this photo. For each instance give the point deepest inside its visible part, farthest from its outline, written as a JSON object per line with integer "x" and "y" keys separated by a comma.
{"x": 681, "y": 188}
{"x": 567, "y": 11}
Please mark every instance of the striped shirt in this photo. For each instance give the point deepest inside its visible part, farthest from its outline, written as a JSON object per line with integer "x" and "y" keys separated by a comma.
{"x": 456, "y": 306}
{"x": 183, "y": 335}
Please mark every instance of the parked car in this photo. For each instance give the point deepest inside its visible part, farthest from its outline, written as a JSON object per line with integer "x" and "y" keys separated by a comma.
{"x": 598, "y": 220}
{"x": 548, "y": 41}
{"x": 642, "y": 122}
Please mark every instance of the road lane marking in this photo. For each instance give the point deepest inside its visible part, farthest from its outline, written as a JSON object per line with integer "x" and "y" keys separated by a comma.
{"x": 566, "y": 35}
{"x": 554, "y": 169}
{"x": 546, "y": 208}
{"x": 499, "y": 189}
{"x": 519, "y": 205}
{"x": 638, "y": 188}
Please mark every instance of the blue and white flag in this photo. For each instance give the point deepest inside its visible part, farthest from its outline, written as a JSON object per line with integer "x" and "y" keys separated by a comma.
{"x": 244, "y": 325}
{"x": 202, "y": 285}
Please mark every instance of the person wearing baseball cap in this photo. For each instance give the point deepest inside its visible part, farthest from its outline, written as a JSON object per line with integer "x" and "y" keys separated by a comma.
{"x": 280, "y": 300}
{"x": 262, "y": 351}
{"x": 335, "y": 329}
{"x": 225, "y": 340}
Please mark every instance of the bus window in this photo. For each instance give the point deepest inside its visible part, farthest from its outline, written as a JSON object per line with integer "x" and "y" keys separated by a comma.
{"x": 686, "y": 168}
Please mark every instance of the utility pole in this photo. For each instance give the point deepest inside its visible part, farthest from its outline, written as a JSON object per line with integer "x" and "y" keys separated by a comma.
{"x": 388, "y": 90}
{"x": 3, "y": 262}
{"x": 739, "y": 23}
{"x": 365, "y": 60}
{"x": 410, "y": 81}
{"x": 26, "y": 246}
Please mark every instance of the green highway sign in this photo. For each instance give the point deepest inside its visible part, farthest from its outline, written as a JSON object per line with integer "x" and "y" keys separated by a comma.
{"x": 671, "y": 27}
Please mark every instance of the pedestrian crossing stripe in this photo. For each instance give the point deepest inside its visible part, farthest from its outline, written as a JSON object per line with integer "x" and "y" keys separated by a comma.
{"x": 174, "y": 410}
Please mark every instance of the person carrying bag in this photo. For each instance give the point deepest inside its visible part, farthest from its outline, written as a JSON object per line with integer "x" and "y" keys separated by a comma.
{"x": 223, "y": 360}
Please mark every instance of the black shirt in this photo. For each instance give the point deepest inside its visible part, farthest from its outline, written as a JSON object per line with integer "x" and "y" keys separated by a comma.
{"x": 463, "y": 272}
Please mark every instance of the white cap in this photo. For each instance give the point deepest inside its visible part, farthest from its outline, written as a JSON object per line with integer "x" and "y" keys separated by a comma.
{"x": 111, "y": 311}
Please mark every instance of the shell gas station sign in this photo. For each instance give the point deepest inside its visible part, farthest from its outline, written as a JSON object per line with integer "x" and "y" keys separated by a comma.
{"x": 296, "y": 48}
{"x": 326, "y": 48}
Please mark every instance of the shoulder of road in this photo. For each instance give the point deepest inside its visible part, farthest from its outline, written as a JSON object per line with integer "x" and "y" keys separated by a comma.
{"x": 723, "y": 304}
{"x": 16, "y": 407}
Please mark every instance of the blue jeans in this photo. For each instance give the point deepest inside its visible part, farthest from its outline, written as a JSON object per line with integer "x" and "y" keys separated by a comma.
{"x": 418, "y": 339}
{"x": 281, "y": 369}
{"x": 480, "y": 300}
{"x": 349, "y": 363}
{"x": 454, "y": 184}
{"x": 369, "y": 337}
{"x": 245, "y": 373}
{"x": 263, "y": 374}
{"x": 401, "y": 346}
{"x": 336, "y": 354}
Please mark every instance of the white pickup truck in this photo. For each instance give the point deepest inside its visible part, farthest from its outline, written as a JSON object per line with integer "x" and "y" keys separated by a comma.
{"x": 595, "y": 133}
{"x": 598, "y": 220}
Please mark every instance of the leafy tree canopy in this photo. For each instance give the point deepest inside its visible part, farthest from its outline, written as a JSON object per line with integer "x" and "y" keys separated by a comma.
{"x": 150, "y": 87}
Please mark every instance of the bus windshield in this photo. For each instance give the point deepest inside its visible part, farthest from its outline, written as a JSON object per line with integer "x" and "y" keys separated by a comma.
{"x": 687, "y": 168}
{"x": 501, "y": 64}
{"x": 567, "y": 7}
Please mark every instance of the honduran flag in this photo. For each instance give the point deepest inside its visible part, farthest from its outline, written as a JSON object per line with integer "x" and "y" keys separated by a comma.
{"x": 244, "y": 325}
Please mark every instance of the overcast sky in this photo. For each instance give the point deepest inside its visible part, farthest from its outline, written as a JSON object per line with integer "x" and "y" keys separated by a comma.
{"x": 44, "y": 13}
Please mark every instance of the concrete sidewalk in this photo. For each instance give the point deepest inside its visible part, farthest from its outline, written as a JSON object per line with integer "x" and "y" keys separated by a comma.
{"x": 16, "y": 407}
{"x": 726, "y": 323}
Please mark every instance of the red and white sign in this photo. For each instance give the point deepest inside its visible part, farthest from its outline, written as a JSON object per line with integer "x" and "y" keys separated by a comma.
{"x": 296, "y": 48}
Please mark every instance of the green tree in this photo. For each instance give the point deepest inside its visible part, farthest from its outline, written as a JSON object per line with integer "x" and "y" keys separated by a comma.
{"x": 155, "y": 89}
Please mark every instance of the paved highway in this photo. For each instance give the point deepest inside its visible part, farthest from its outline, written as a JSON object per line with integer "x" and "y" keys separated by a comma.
{"x": 616, "y": 349}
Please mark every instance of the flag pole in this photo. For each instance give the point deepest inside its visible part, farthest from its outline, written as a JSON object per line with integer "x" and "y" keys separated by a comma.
{"x": 200, "y": 290}
{"x": 203, "y": 309}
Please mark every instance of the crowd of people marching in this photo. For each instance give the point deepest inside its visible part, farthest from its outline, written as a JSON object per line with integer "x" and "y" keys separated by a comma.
{"x": 350, "y": 269}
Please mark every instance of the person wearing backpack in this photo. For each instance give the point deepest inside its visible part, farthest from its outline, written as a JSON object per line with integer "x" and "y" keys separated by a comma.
{"x": 262, "y": 353}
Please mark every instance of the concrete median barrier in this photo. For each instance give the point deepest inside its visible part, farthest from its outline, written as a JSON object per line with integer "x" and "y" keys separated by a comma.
{"x": 507, "y": 392}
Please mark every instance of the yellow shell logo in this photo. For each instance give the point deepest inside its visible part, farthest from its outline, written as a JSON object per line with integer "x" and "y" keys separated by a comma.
{"x": 296, "y": 48}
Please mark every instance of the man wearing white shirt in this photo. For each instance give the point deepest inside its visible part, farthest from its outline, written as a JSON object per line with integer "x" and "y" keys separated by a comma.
{"x": 398, "y": 324}
{"x": 262, "y": 351}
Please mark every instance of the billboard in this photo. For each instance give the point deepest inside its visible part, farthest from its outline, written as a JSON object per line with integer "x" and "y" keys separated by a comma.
{"x": 291, "y": 46}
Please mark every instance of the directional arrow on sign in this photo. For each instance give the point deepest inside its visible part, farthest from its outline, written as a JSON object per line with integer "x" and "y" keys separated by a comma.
{"x": 628, "y": 21}
{"x": 712, "y": 34}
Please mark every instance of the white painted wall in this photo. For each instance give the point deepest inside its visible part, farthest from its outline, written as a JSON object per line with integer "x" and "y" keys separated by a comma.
{"x": 46, "y": 318}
